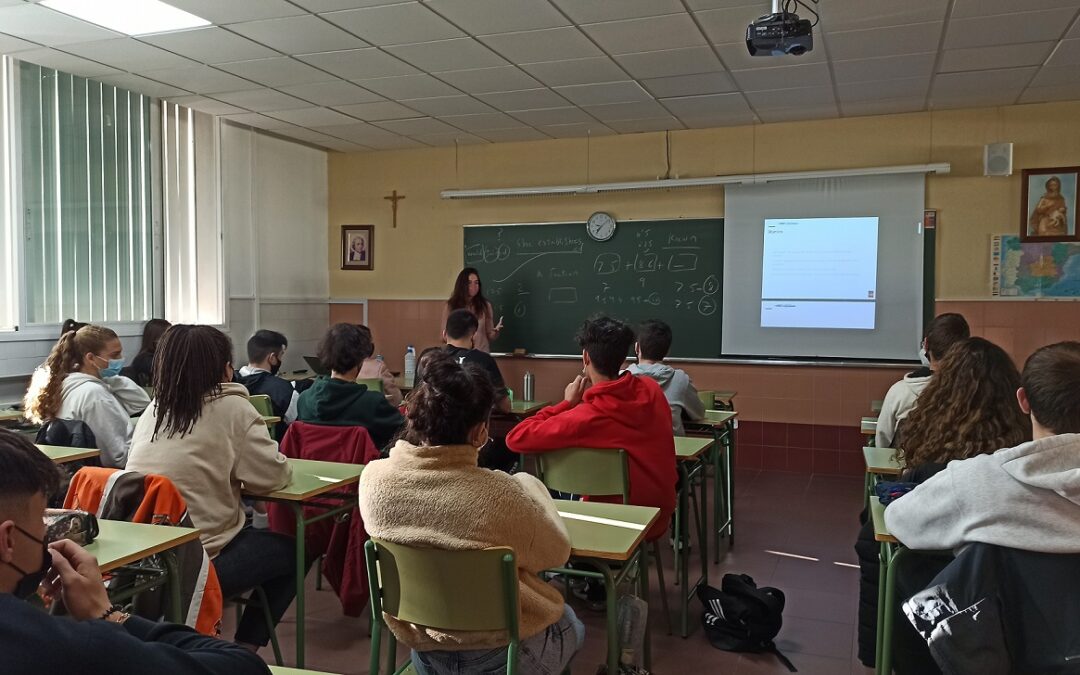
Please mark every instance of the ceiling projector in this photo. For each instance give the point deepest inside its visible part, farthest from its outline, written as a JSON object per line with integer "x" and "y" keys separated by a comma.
{"x": 779, "y": 33}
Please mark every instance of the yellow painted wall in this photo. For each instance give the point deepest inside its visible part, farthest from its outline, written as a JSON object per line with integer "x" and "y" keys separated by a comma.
{"x": 420, "y": 258}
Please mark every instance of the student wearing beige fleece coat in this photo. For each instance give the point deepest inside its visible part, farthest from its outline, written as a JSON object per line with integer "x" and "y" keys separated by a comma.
{"x": 202, "y": 433}
{"x": 425, "y": 495}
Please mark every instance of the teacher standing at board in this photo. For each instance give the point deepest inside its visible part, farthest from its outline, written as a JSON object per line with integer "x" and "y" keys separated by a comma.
{"x": 468, "y": 295}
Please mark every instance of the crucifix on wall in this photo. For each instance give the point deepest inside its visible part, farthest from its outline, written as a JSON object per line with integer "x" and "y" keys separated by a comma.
{"x": 394, "y": 199}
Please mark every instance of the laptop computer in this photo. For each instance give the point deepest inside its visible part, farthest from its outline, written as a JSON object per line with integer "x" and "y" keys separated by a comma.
{"x": 316, "y": 365}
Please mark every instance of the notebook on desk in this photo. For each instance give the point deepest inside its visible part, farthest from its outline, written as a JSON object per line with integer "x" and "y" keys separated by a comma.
{"x": 316, "y": 365}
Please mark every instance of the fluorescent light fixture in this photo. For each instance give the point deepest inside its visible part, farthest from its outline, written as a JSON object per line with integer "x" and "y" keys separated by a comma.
{"x": 131, "y": 17}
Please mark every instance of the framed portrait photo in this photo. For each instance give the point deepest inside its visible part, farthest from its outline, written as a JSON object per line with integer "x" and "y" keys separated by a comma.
{"x": 1048, "y": 199}
{"x": 357, "y": 247}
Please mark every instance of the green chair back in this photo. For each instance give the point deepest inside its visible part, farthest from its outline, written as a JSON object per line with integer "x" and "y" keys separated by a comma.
{"x": 374, "y": 384}
{"x": 708, "y": 399}
{"x": 474, "y": 590}
{"x": 585, "y": 471}
{"x": 262, "y": 404}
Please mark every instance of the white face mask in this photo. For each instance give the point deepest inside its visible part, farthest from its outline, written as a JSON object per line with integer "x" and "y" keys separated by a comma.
{"x": 924, "y": 357}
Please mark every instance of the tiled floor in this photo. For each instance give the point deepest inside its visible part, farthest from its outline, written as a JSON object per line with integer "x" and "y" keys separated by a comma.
{"x": 810, "y": 516}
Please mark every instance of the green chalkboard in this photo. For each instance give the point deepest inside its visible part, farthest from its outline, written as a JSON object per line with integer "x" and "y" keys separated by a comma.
{"x": 545, "y": 279}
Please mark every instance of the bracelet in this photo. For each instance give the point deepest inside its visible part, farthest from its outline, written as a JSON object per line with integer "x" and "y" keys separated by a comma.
{"x": 110, "y": 611}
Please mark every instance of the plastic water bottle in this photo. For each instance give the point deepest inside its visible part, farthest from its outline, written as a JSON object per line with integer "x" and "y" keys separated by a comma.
{"x": 410, "y": 366}
{"x": 529, "y": 387}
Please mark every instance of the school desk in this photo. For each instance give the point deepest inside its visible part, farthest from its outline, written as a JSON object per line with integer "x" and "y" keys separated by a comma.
{"x": 62, "y": 455}
{"x": 879, "y": 462}
{"x": 886, "y": 588}
{"x": 868, "y": 428}
{"x": 603, "y": 535}
{"x": 10, "y": 416}
{"x": 692, "y": 460}
{"x": 120, "y": 543}
{"x": 298, "y": 376}
{"x": 527, "y": 408}
{"x": 400, "y": 382}
{"x": 721, "y": 424}
{"x": 722, "y": 400}
{"x": 271, "y": 420}
{"x": 875, "y": 405}
{"x": 322, "y": 482}
{"x": 282, "y": 670}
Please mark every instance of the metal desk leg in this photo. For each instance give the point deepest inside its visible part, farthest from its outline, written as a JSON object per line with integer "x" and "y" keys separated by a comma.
{"x": 885, "y": 656}
{"x": 612, "y": 616}
{"x": 172, "y": 568}
{"x": 682, "y": 541}
{"x": 885, "y": 598}
{"x": 301, "y": 573}
{"x": 643, "y": 589}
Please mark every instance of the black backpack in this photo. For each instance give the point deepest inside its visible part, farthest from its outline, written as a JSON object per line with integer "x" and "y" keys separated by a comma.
{"x": 742, "y": 617}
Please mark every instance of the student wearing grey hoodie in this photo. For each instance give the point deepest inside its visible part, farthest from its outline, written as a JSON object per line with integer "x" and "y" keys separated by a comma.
{"x": 652, "y": 347}
{"x": 1025, "y": 497}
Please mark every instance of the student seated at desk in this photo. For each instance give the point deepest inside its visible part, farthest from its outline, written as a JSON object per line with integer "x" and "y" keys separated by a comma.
{"x": 425, "y": 494}
{"x": 338, "y": 399}
{"x": 652, "y": 347}
{"x": 968, "y": 409}
{"x": 81, "y": 380}
{"x": 616, "y": 411}
{"x": 203, "y": 434}
{"x": 374, "y": 369}
{"x": 141, "y": 369}
{"x": 266, "y": 352}
{"x": 942, "y": 333}
{"x": 461, "y": 327}
{"x": 97, "y": 638}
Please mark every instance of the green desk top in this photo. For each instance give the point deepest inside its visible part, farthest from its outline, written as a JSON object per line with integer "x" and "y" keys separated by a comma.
{"x": 877, "y": 512}
{"x": 868, "y": 426}
{"x": 271, "y": 419}
{"x": 691, "y": 447}
{"x": 60, "y": 455}
{"x": 875, "y": 405}
{"x": 281, "y": 670}
{"x": 11, "y": 416}
{"x": 120, "y": 543}
{"x": 527, "y": 407}
{"x": 881, "y": 461}
{"x": 607, "y": 531}
{"x": 718, "y": 417}
{"x": 311, "y": 478}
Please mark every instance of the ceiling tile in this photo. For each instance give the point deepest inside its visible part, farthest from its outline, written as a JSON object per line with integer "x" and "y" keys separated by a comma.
{"x": 416, "y": 125}
{"x": 207, "y": 105}
{"x": 1061, "y": 92}
{"x": 581, "y": 130}
{"x": 859, "y": 14}
{"x": 200, "y": 79}
{"x": 1008, "y": 28}
{"x": 945, "y": 100}
{"x": 884, "y": 106}
{"x": 312, "y": 117}
{"x": 1066, "y": 54}
{"x": 642, "y": 126}
{"x": 668, "y": 62}
{"x": 455, "y": 138}
{"x": 689, "y": 85}
{"x": 576, "y": 71}
{"x": 553, "y": 44}
{"x": 1001, "y": 56}
{"x": 485, "y": 80}
{"x": 791, "y": 98}
{"x": 384, "y": 110}
{"x": 359, "y": 64}
{"x": 259, "y": 121}
{"x": 345, "y": 146}
{"x": 141, "y": 85}
{"x": 405, "y": 23}
{"x": 719, "y": 119}
{"x": 210, "y": 45}
{"x": 672, "y": 31}
{"x": 1074, "y": 32}
{"x": 592, "y": 11}
{"x": 277, "y": 71}
{"x": 319, "y": 6}
{"x": 129, "y": 54}
{"x": 527, "y": 99}
{"x": 306, "y": 135}
{"x": 736, "y": 57}
{"x": 262, "y": 100}
{"x": 799, "y": 113}
{"x": 483, "y": 122}
{"x": 1047, "y": 76}
{"x": 915, "y": 38}
{"x": 337, "y": 92}
{"x": 408, "y": 86}
{"x": 548, "y": 116}
{"x": 395, "y": 142}
{"x": 967, "y": 8}
{"x": 704, "y": 106}
{"x": 358, "y": 132}
{"x": 698, "y": 5}
{"x": 884, "y": 68}
{"x": 44, "y": 26}
{"x": 298, "y": 35}
{"x": 454, "y": 54}
{"x": 58, "y": 60}
{"x": 513, "y": 135}
{"x": 783, "y": 77}
{"x": 448, "y": 105}
{"x": 483, "y": 17}
{"x": 10, "y": 45}
{"x": 607, "y": 92}
{"x": 905, "y": 88}
{"x": 977, "y": 83}
{"x": 618, "y": 112}
{"x": 234, "y": 11}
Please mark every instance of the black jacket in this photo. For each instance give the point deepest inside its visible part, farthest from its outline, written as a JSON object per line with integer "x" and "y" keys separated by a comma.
{"x": 32, "y": 643}
{"x": 279, "y": 390}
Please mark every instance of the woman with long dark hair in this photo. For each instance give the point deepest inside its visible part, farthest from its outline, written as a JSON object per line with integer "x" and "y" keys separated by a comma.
{"x": 141, "y": 369}
{"x": 468, "y": 294}
{"x": 203, "y": 434}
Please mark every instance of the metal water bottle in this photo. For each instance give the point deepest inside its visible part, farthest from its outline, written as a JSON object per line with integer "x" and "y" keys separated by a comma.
{"x": 528, "y": 388}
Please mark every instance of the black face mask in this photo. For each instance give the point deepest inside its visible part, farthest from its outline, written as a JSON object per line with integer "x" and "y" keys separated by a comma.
{"x": 274, "y": 368}
{"x": 30, "y": 581}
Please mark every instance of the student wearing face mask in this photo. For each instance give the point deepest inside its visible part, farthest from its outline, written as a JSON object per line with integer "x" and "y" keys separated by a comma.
{"x": 266, "y": 352}
{"x": 81, "y": 381}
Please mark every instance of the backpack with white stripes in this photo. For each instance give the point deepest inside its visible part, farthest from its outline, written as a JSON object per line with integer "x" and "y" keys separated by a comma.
{"x": 740, "y": 617}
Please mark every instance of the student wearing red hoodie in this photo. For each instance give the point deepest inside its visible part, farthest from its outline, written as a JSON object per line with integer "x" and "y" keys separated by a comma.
{"x": 616, "y": 411}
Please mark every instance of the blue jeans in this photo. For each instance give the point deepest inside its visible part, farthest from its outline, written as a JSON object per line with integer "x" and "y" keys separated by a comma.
{"x": 546, "y": 653}
{"x": 258, "y": 558}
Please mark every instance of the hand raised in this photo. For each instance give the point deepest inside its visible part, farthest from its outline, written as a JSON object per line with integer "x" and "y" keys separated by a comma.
{"x": 76, "y": 577}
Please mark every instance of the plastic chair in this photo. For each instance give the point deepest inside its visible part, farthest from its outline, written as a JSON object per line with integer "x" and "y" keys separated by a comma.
{"x": 593, "y": 472}
{"x": 449, "y": 590}
{"x": 257, "y": 598}
{"x": 373, "y": 383}
{"x": 262, "y": 403}
{"x": 708, "y": 399}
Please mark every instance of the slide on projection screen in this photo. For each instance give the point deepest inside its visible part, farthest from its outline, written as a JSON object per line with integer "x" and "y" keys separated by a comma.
{"x": 824, "y": 268}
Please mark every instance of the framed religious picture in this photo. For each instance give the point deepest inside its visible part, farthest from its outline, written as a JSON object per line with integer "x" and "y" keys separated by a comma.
{"x": 1048, "y": 199}
{"x": 357, "y": 247}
